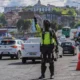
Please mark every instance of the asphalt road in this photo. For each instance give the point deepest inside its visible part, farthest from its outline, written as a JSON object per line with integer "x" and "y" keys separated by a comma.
{"x": 65, "y": 69}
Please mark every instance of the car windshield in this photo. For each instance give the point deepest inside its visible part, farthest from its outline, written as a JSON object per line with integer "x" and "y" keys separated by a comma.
{"x": 7, "y": 42}
{"x": 67, "y": 44}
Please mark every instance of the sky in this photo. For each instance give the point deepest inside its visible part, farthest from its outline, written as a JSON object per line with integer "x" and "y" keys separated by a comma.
{"x": 31, "y": 2}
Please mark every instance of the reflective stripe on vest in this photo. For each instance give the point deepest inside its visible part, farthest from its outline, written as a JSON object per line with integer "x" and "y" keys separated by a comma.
{"x": 54, "y": 41}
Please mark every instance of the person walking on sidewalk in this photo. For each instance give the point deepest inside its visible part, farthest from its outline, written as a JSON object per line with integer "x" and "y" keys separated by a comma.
{"x": 47, "y": 46}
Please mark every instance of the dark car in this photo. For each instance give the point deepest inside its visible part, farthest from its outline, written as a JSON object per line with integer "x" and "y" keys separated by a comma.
{"x": 69, "y": 48}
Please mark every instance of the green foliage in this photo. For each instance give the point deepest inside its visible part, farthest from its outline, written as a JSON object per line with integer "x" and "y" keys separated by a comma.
{"x": 1, "y": 26}
{"x": 57, "y": 11}
{"x": 77, "y": 24}
{"x": 27, "y": 24}
{"x": 65, "y": 11}
{"x": 54, "y": 25}
{"x": 60, "y": 26}
{"x": 72, "y": 24}
{"x": 2, "y": 19}
{"x": 20, "y": 24}
{"x": 23, "y": 24}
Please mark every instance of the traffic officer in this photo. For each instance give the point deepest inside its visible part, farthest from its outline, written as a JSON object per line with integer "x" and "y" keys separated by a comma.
{"x": 38, "y": 28}
{"x": 47, "y": 46}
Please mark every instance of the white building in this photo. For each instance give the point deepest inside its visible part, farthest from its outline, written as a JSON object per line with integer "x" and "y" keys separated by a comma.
{"x": 42, "y": 8}
{"x": 14, "y": 8}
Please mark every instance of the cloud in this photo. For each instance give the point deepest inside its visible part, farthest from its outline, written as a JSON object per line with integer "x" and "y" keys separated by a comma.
{"x": 28, "y": 2}
{"x": 32, "y": 2}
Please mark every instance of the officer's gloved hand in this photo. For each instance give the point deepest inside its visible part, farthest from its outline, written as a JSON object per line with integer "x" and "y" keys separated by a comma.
{"x": 56, "y": 50}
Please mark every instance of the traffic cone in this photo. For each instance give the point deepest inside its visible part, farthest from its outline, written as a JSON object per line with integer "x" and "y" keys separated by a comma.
{"x": 78, "y": 64}
{"x": 79, "y": 56}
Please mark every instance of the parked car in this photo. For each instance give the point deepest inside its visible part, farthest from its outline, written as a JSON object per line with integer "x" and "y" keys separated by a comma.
{"x": 31, "y": 49}
{"x": 11, "y": 47}
{"x": 69, "y": 47}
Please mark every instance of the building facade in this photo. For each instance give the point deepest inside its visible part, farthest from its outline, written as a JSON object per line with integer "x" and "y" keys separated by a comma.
{"x": 14, "y": 8}
{"x": 42, "y": 8}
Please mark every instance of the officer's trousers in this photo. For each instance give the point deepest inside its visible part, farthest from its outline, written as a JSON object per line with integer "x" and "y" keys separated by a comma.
{"x": 47, "y": 56}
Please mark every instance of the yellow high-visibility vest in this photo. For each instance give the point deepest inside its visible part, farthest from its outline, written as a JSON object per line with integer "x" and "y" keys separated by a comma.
{"x": 54, "y": 41}
{"x": 47, "y": 40}
{"x": 38, "y": 28}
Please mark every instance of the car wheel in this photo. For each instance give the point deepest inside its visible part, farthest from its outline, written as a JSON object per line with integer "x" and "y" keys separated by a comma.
{"x": 60, "y": 56}
{"x": 55, "y": 59}
{"x": 12, "y": 57}
{"x": 73, "y": 53}
{"x": 33, "y": 60}
{"x": 18, "y": 55}
{"x": 23, "y": 60}
{"x": 0, "y": 57}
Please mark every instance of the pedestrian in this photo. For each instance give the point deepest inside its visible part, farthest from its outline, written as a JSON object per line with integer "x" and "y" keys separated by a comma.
{"x": 47, "y": 46}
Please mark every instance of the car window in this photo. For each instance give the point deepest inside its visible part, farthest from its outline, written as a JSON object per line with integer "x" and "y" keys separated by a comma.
{"x": 18, "y": 42}
{"x": 66, "y": 44}
{"x": 7, "y": 42}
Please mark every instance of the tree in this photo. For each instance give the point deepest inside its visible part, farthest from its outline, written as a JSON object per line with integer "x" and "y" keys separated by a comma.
{"x": 23, "y": 25}
{"x": 54, "y": 25}
{"x": 2, "y": 19}
{"x": 26, "y": 25}
{"x": 77, "y": 24}
{"x": 20, "y": 24}
{"x": 1, "y": 26}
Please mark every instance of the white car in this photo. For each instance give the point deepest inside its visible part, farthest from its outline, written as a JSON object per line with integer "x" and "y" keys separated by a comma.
{"x": 11, "y": 47}
{"x": 31, "y": 50}
{"x": 61, "y": 39}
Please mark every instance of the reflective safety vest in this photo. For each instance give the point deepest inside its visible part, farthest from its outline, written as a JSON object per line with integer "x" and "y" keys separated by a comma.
{"x": 54, "y": 41}
{"x": 48, "y": 39}
{"x": 38, "y": 28}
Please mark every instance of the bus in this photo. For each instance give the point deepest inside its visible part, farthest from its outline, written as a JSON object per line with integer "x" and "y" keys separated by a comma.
{"x": 66, "y": 31}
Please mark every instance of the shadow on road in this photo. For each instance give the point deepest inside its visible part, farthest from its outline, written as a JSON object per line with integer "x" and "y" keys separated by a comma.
{"x": 27, "y": 63}
{"x": 40, "y": 79}
{"x": 7, "y": 59}
{"x": 69, "y": 55}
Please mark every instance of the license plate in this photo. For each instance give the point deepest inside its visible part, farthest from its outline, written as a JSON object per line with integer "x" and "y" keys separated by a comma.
{"x": 5, "y": 52}
{"x": 32, "y": 53}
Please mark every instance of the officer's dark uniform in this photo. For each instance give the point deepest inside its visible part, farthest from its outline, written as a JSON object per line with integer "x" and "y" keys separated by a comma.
{"x": 47, "y": 46}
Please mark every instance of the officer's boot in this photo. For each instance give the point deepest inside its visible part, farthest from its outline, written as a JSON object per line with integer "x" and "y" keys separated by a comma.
{"x": 51, "y": 68}
{"x": 43, "y": 69}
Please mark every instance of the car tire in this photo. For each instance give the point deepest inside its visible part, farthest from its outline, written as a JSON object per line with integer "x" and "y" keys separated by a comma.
{"x": 60, "y": 56}
{"x": 23, "y": 60}
{"x": 18, "y": 55}
{"x": 0, "y": 57}
{"x": 12, "y": 57}
{"x": 55, "y": 59}
{"x": 33, "y": 60}
{"x": 73, "y": 54}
